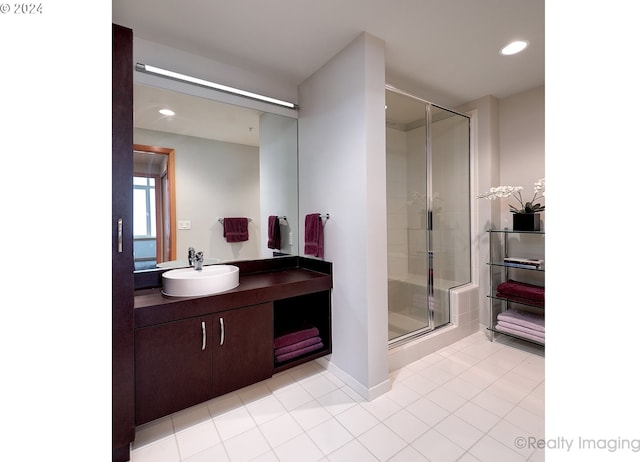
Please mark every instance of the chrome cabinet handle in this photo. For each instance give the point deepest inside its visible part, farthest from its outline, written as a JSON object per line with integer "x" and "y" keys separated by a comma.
{"x": 221, "y": 331}
{"x": 119, "y": 235}
{"x": 204, "y": 336}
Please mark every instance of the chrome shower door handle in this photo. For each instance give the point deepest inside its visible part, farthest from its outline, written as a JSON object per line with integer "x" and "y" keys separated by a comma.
{"x": 204, "y": 335}
{"x": 221, "y": 331}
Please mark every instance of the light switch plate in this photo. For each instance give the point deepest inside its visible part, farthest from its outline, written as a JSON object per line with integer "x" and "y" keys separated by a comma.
{"x": 184, "y": 224}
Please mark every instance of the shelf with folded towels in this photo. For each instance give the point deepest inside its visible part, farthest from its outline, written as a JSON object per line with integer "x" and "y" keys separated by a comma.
{"x": 521, "y": 324}
{"x": 302, "y": 329}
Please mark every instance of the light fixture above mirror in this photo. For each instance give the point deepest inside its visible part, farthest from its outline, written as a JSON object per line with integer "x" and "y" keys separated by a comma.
{"x": 215, "y": 86}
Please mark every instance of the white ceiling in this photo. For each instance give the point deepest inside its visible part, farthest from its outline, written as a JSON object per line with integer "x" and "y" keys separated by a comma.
{"x": 445, "y": 51}
{"x": 448, "y": 49}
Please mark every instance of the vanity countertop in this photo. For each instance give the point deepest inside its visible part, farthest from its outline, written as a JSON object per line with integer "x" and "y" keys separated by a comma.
{"x": 152, "y": 307}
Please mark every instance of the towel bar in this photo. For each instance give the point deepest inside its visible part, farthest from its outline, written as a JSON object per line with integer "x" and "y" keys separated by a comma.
{"x": 221, "y": 220}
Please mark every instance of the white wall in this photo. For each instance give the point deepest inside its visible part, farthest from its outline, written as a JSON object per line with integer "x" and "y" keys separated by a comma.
{"x": 279, "y": 179}
{"x": 522, "y": 144}
{"x": 213, "y": 180}
{"x": 342, "y": 172}
{"x": 510, "y": 151}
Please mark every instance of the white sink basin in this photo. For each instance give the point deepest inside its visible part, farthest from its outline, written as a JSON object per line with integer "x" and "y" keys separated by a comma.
{"x": 187, "y": 282}
{"x": 185, "y": 263}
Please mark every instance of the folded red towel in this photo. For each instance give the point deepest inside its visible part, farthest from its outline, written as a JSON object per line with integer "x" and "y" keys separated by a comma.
{"x": 295, "y": 337}
{"x": 313, "y": 235}
{"x": 236, "y": 229}
{"x": 526, "y": 301}
{"x": 299, "y": 352}
{"x": 273, "y": 233}
{"x": 521, "y": 289}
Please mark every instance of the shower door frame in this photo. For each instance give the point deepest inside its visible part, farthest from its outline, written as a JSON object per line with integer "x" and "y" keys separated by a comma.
{"x": 430, "y": 327}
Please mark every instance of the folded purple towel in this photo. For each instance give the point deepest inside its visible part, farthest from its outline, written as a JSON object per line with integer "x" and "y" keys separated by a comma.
{"x": 236, "y": 229}
{"x": 295, "y": 337}
{"x": 506, "y": 330}
{"x": 297, "y": 346}
{"x": 523, "y": 318}
{"x": 519, "y": 328}
{"x": 300, "y": 352}
{"x": 521, "y": 289}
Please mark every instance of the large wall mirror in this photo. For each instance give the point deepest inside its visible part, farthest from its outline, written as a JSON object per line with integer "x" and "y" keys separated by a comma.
{"x": 206, "y": 162}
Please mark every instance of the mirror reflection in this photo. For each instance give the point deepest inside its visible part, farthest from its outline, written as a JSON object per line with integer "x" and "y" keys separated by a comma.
{"x": 206, "y": 162}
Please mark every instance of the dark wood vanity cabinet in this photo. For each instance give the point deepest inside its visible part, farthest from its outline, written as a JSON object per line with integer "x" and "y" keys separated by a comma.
{"x": 183, "y": 363}
{"x": 174, "y": 367}
{"x": 243, "y": 347}
{"x": 188, "y": 351}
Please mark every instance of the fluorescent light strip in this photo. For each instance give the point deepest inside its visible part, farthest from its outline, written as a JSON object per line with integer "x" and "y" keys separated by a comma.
{"x": 216, "y": 86}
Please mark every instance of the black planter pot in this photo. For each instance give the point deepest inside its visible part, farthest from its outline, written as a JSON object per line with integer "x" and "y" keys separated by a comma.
{"x": 526, "y": 222}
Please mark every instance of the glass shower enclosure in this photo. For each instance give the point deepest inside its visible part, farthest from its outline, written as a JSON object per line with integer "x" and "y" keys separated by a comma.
{"x": 428, "y": 212}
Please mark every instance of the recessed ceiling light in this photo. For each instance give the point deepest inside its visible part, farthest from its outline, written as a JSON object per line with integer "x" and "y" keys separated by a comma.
{"x": 514, "y": 47}
{"x": 167, "y": 112}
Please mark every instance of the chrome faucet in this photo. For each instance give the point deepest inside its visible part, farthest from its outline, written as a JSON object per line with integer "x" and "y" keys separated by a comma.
{"x": 199, "y": 258}
{"x": 192, "y": 256}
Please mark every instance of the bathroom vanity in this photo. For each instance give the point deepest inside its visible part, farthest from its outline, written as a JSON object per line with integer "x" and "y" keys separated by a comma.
{"x": 189, "y": 350}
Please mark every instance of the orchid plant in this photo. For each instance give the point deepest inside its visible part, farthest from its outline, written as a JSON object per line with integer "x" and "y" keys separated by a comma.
{"x": 525, "y": 207}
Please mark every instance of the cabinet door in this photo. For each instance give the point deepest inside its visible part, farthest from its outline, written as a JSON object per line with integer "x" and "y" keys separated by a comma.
{"x": 173, "y": 367}
{"x": 243, "y": 347}
{"x": 122, "y": 385}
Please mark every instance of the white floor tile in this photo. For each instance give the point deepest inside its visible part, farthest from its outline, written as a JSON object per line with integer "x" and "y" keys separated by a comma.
{"x": 460, "y": 432}
{"x": 382, "y": 442}
{"x": 477, "y": 416}
{"x": 489, "y": 449}
{"x": 298, "y": 449}
{"x": 353, "y": 451}
{"x": 293, "y": 396}
{"x": 381, "y": 407}
{"x": 217, "y": 453}
{"x": 165, "y": 450}
{"x": 329, "y": 436}
{"x": 468, "y": 402}
{"x": 408, "y": 454}
{"x": 246, "y": 446}
{"x": 357, "y": 420}
{"x": 265, "y": 409}
{"x": 406, "y": 425}
{"x": 197, "y": 438}
{"x": 436, "y": 447}
{"x": 234, "y": 423}
{"x": 280, "y": 430}
{"x": 428, "y": 411}
{"x": 336, "y": 401}
{"x": 310, "y": 414}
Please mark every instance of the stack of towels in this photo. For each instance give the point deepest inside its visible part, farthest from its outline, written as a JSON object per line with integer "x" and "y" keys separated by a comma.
{"x": 521, "y": 292}
{"x": 522, "y": 324}
{"x": 298, "y": 343}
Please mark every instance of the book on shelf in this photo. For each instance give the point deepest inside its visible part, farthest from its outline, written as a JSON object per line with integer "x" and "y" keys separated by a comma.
{"x": 519, "y": 262}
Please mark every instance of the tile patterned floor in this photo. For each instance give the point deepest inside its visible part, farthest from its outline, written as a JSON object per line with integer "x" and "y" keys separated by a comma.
{"x": 468, "y": 402}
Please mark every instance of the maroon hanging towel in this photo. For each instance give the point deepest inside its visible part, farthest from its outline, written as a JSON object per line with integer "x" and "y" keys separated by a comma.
{"x": 273, "y": 233}
{"x": 236, "y": 229}
{"x": 313, "y": 235}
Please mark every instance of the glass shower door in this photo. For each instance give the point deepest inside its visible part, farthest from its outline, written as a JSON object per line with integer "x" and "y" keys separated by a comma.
{"x": 428, "y": 223}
